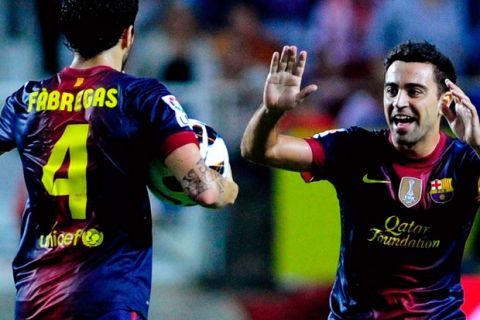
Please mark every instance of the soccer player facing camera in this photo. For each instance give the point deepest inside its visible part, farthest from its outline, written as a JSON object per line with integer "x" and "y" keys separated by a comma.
{"x": 85, "y": 137}
{"x": 408, "y": 195}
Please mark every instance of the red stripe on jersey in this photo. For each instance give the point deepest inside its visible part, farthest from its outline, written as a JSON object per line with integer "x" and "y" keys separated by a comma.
{"x": 177, "y": 140}
{"x": 318, "y": 160}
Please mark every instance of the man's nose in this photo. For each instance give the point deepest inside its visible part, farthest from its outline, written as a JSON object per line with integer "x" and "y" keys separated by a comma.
{"x": 401, "y": 100}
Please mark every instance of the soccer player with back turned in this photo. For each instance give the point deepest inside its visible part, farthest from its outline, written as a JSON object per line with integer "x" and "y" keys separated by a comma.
{"x": 85, "y": 137}
{"x": 408, "y": 195}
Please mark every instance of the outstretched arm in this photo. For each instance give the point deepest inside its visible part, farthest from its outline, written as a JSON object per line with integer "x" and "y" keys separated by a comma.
{"x": 261, "y": 141}
{"x": 464, "y": 122}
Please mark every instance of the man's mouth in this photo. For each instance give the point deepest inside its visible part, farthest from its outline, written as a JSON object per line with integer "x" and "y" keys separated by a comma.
{"x": 402, "y": 122}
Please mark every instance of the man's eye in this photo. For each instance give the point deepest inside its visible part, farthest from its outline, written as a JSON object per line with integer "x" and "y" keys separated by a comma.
{"x": 391, "y": 91}
{"x": 414, "y": 92}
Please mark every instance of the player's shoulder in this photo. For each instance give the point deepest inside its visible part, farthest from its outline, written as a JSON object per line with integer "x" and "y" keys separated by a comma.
{"x": 353, "y": 142}
{"x": 458, "y": 148}
{"x": 19, "y": 97}
{"x": 31, "y": 85}
{"x": 150, "y": 94}
{"x": 38, "y": 84}
{"x": 142, "y": 85}
{"x": 353, "y": 134}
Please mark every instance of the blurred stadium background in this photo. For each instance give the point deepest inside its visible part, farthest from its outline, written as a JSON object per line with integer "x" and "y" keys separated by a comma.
{"x": 273, "y": 255}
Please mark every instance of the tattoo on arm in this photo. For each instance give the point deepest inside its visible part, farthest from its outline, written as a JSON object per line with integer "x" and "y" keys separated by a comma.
{"x": 194, "y": 183}
{"x": 220, "y": 183}
{"x": 199, "y": 180}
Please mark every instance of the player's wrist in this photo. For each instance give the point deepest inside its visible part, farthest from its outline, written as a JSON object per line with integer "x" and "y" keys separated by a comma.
{"x": 273, "y": 112}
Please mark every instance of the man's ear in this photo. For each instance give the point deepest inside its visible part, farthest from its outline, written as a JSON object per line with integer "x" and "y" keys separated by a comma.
{"x": 446, "y": 99}
{"x": 127, "y": 37}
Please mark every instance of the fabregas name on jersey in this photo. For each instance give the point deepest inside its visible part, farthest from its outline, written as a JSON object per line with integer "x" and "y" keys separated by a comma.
{"x": 67, "y": 101}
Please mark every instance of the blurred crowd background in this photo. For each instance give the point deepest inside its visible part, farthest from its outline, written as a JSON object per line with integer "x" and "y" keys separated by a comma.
{"x": 276, "y": 249}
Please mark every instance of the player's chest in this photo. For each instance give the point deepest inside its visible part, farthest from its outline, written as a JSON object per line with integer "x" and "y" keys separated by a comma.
{"x": 408, "y": 188}
{"x": 408, "y": 208}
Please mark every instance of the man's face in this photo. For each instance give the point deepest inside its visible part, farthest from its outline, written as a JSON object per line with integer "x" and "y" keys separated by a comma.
{"x": 410, "y": 101}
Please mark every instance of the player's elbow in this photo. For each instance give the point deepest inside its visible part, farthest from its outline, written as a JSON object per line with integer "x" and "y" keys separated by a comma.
{"x": 262, "y": 158}
{"x": 246, "y": 152}
{"x": 249, "y": 153}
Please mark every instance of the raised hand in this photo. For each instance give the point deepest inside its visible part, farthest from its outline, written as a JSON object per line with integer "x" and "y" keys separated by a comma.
{"x": 464, "y": 121}
{"x": 282, "y": 88}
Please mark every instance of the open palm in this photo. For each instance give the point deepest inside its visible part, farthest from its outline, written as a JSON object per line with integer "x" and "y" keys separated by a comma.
{"x": 282, "y": 88}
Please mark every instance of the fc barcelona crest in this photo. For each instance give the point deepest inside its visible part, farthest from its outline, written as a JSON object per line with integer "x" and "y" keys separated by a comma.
{"x": 410, "y": 191}
{"x": 441, "y": 190}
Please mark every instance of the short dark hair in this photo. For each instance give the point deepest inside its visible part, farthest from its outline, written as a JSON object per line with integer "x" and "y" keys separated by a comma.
{"x": 93, "y": 26}
{"x": 424, "y": 52}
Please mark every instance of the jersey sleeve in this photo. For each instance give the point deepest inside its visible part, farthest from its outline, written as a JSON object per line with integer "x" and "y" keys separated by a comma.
{"x": 167, "y": 122}
{"x": 7, "y": 122}
{"x": 333, "y": 151}
{"x": 328, "y": 151}
{"x": 318, "y": 161}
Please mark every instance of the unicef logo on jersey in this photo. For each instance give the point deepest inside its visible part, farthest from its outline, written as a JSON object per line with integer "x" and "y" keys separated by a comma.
{"x": 61, "y": 239}
{"x": 92, "y": 238}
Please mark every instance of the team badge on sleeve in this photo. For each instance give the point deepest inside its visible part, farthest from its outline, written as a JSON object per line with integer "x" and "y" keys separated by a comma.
{"x": 180, "y": 115}
{"x": 441, "y": 190}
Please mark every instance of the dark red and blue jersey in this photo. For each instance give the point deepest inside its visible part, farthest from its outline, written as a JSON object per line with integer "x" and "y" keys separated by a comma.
{"x": 404, "y": 224}
{"x": 85, "y": 138}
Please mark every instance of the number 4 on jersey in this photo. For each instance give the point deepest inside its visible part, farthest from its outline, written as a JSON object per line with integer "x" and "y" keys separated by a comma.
{"x": 74, "y": 142}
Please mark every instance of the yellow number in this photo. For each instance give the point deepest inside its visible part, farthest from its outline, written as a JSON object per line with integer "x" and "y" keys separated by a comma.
{"x": 74, "y": 142}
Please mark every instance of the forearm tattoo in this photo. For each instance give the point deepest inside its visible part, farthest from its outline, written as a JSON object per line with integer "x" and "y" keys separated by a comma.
{"x": 195, "y": 183}
{"x": 220, "y": 182}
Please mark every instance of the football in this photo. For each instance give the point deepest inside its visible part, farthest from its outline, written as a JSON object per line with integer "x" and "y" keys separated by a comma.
{"x": 163, "y": 184}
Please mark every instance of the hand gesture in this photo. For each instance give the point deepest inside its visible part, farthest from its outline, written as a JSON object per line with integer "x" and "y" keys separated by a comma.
{"x": 282, "y": 87}
{"x": 464, "y": 121}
